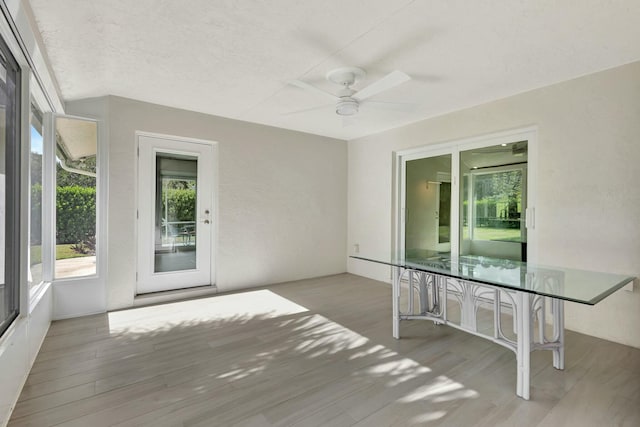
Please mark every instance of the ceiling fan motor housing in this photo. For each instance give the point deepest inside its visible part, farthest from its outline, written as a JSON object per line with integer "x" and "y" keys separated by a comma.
{"x": 346, "y": 76}
{"x": 347, "y": 106}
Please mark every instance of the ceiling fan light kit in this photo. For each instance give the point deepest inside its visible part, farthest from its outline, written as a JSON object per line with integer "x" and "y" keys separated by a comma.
{"x": 347, "y": 106}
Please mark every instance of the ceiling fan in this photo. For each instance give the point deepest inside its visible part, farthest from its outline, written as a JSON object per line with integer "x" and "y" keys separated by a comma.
{"x": 348, "y": 100}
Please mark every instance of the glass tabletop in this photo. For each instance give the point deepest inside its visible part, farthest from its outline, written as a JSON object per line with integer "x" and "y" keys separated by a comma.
{"x": 586, "y": 287}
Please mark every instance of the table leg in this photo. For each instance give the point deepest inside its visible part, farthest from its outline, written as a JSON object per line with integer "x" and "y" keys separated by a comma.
{"x": 558, "y": 333}
{"x": 523, "y": 350}
{"x": 395, "y": 295}
{"x": 410, "y": 293}
{"x": 424, "y": 294}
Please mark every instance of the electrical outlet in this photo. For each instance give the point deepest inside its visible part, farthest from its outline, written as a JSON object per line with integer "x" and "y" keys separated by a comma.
{"x": 356, "y": 248}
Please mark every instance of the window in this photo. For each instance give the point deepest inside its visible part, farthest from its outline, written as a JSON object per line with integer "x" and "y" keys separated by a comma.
{"x": 76, "y": 157}
{"x": 9, "y": 187}
{"x": 35, "y": 184}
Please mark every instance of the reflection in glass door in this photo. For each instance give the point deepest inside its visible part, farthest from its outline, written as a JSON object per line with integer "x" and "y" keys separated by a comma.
{"x": 444, "y": 213}
{"x": 493, "y": 200}
{"x": 428, "y": 206}
{"x": 175, "y": 220}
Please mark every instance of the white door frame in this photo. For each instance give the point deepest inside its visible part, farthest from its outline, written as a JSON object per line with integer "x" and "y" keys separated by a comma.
{"x": 213, "y": 227}
{"x": 454, "y": 147}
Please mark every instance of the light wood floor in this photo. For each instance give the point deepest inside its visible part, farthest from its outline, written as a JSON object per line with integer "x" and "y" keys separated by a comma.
{"x": 310, "y": 353}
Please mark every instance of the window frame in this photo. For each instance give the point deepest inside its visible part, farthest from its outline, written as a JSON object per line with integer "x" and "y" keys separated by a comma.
{"x": 32, "y": 286}
{"x": 13, "y": 187}
{"x": 97, "y": 275}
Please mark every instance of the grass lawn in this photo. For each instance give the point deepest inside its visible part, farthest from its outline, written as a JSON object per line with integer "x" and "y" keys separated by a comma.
{"x": 62, "y": 252}
{"x": 504, "y": 234}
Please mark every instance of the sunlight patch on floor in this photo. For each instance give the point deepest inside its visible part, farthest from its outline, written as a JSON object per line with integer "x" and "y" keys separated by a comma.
{"x": 238, "y": 307}
{"x": 399, "y": 370}
{"x": 428, "y": 417}
{"x": 375, "y": 349}
{"x": 441, "y": 389}
{"x": 320, "y": 336}
{"x": 297, "y": 334}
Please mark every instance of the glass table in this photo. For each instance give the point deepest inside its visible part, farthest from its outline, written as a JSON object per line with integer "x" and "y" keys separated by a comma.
{"x": 533, "y": 294}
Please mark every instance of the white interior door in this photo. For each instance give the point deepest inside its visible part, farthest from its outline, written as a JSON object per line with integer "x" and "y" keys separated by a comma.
{"x": 175, "y": 213}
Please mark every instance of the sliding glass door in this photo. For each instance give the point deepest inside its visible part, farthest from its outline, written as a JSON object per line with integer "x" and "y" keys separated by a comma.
{"x": 428, "y": 206}
{"x": 467, "y": 198}
{"x": 492, "y": 201}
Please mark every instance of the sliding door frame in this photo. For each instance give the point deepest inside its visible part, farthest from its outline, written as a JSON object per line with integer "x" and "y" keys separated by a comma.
{"x": 454, "y": 148}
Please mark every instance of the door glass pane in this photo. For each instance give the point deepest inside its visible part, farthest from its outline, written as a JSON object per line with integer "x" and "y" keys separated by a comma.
{"x": 175, "y": 207}
{"x": 444, "y": 213}
{"x": 497, "y": 203}
{"x": 428, "y": 206}
{"x": 76, "y": 159}
{"x": 35, "y": 218}
{"x": 493, "y": 200}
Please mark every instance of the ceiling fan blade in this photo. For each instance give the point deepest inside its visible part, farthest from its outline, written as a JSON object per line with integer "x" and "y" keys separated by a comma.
{"x": 396, "y": 106}
{"x": 311, "y": 88}
{"x": 389, "y": 81}
{"x": 306, "y": 110}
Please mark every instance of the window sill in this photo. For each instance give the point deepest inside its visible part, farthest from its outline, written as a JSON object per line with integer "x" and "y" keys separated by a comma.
{"x": 36, "y": 294}
{"x": 6, "y": 338}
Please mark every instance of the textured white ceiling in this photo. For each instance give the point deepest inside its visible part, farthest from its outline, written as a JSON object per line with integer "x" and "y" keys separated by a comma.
{"x": 233, "y": 58}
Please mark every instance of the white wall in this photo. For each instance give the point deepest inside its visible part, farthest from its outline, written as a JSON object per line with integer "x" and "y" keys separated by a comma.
{"x": 282, "y": 196}
{"x": 588, "y": 198}
{"x": 19, "y": 347}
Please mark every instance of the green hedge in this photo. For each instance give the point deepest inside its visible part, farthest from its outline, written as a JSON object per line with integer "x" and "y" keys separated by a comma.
{"x": 76, "y": 210}
{"x": 182, "y": 203}
{"x": 75, "y": 214}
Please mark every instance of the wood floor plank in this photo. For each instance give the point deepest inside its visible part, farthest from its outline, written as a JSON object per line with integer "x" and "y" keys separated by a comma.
{"x": 315, "y": 352}
{"x": 587, "y": 404}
